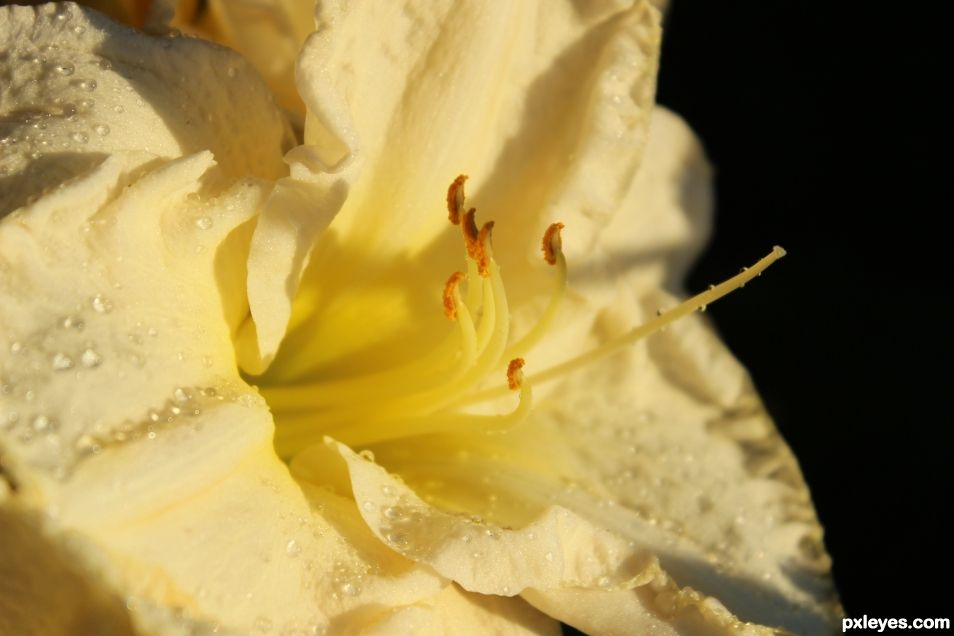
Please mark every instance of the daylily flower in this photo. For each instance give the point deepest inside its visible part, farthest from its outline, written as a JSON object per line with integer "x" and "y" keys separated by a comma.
{"x": 252, "y": 385}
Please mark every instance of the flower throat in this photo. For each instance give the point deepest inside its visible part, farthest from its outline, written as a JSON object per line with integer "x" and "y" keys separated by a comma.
{"x": 431, "y": 394}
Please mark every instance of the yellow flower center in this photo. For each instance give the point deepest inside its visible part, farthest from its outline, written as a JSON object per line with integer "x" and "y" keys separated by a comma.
{"x": 437, "y": 391}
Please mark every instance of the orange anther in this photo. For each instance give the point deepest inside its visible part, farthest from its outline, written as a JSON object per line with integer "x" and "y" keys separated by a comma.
{"x": 483, "y": 249}
{"x": 552, "y": 243}
{"x": 455, "y": 199}
{"x": 469, "y": 228}
{"x": 450, "y": 305}
{"x": 515, "y": 373}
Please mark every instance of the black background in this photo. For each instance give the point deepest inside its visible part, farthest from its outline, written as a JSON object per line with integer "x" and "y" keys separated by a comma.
{"x": 830, "y": 136}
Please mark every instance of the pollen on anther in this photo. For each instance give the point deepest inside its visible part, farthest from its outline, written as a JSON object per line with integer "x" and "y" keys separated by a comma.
{"x": 552, "y": 243}
{"x": 515, "y": 373}
{"x": 450, "y": 305}
{"x": 482, "y": 255}
{"x": 455, "y": 199}
{"x": 469, "y": 228}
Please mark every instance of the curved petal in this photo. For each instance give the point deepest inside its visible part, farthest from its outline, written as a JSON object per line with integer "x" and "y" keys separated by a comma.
{"x": 454, "y": 611}
{"x": 78, "y": 87}
{"x": 268, "y": 33}
{"x": 416, "y": 93}
{"x": 129, "y": 443}
{"x": 559, "y": 555}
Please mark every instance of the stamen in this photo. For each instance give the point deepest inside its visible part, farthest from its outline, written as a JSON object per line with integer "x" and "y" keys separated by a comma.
{"x": 515, "y": 373}
{"x": 665, "y": 318}
{"x": 552, "y": 243}
{"x": 471, "y": 234}
{"x": 552, "y": 254}
{"x": 455, "y": 199}
{"x": 484, "y": 249}
{"x": 451, "y": 295}
{"x": 662, "y": 319}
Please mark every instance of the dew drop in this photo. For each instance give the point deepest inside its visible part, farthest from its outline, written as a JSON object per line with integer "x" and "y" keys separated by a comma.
{"x": 9, "y": 420}
{"x": 62, "y": 362}
{"x": 79, "y": 137}
{"x": 64, "y": 68}
{"x": 548, "y": 556}
{"x": 72, "y": 322}
{"x": 118, "y": 109}
{"x": 396, "y": 539}
{"x": 90, "y": 359}
{"x": 292, "y": 549}
{"x": 367, "y": 455}
{"x": 181, "y": 395}
{"x": 231, "y": 72}
{"x": 41, "y": 423}
{"x": 368, "y": 506}
{"x": 16, "y": 346}
{"x": 392, "y": 513}
{"x": 100, "y": 305}
{"x": 105, "y": 64}
{"x": 203, "y": 223}
{"x": 79, "y": 29}
{"x": 101, "y": 129}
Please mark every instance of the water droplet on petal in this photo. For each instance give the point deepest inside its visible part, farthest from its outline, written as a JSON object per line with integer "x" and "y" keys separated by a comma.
{"x": 90, "y": 359}
{"x": 41, "y": 423}
{"x": 62, "y": 362}
{"x": 100, "y": 305}
{"x": 101, "y": 129}
{"x": 203, "y": 223}
{"x": 64, "y": 68}
{"x": 292, "y": 549}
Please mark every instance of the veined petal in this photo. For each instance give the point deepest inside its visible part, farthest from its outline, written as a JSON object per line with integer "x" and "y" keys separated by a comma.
{"x": 78, "y": 87}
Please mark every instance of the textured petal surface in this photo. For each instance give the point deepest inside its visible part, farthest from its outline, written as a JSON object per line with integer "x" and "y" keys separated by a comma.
{"x": 558, "y": 556}
{"x": 268, "y": 33}
{"x": 77, "y": 87}
{"x": 417, "y": 93}
{"x": 125, "y": 423}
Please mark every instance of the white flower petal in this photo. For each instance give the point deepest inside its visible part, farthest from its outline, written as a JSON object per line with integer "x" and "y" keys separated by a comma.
{"x": 268, "y": 33}
{"x": 298, "y": 210}
{"x": 78, "y": 87}
{"x": 556, "y": 557}
{"x": 129, "y": 442}
{"x": 455, "y": 611}
{"x": 416, "y": 93}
